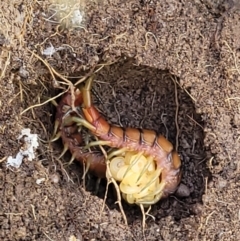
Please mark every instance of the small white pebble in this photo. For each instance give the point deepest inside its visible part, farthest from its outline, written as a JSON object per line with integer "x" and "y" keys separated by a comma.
{"x": 55, "y": 178}
{"x": 40, "y": 180}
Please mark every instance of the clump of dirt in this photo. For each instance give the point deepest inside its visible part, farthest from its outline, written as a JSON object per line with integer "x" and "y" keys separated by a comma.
{"x": 142, "y": 49}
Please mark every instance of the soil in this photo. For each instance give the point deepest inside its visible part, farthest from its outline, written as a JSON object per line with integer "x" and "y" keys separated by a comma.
{"x": 171, "y": 66}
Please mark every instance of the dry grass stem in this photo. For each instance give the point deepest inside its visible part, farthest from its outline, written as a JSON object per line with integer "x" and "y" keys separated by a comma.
{"x": 195, "y": 122}
{"x": 6, "y": 65}
{"x": 146, "y": 39}
{"x": 44, "y": 103}
{"x": 176, "y": 113}
{"x": 111, "y": 180}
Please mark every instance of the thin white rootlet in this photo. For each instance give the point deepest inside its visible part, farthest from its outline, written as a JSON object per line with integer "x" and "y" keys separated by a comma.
{"x": 30, "y": 144}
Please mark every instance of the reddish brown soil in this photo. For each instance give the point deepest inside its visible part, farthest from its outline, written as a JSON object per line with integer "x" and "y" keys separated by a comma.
{"x": 143, "y": 48}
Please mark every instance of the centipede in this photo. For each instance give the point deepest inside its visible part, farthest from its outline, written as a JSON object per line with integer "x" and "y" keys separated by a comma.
{"x": 145, "y": 164}
{"x": 74, "y": 139}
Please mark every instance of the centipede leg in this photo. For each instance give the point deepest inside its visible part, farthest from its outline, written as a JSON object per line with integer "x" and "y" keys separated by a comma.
{"x": 58, "y": 135}
{"x": 67, "y": 121}
{"x": 97, "y": 143}
{"x": 143, "y": 170}
{"x": 71, "y": 160}
{"x": 65, "y": 148}
{"x": 157, "y": 174}
{"x": 149, "y": 203}
{"x": 116, "y": 153}
{"x": 56, "y": 125}
{"x": 82, "y": 122}
{"x": 54, "y": 103}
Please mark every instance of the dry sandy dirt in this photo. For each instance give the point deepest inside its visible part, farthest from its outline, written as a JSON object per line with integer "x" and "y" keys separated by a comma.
{"x": 155, "y": 60}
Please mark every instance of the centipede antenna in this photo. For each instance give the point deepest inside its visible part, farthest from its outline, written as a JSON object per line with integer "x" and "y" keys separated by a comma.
{"x": 65, "y": 148}
{"x": 58, "y": 135}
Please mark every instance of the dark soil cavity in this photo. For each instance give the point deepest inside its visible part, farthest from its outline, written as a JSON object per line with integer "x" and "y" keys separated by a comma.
{"x": 140, "y": 96}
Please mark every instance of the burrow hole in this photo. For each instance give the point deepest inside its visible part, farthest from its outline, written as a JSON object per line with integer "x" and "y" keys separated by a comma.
{"x": 145, "y": 97}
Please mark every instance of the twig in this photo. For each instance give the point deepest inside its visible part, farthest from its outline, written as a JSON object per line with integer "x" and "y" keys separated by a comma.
{"x": 52, "y": 72}
{"x": 234, "y": 57}
{"x": 232, "y": 98}
{"x": 164, "y": 123}
{"x": 7, "y": 62}
{"x": 47, "y": 236}
{"x": 33, "y": 211}
{"x": 153, "y": 100}
{"x": 112, "y": 180}
{"x": 119, "y": 117}
{"x": 185, "y": 91}
{"x": 49, "y": 100}
{"x": 3, "y": 159}
{"x": 177, "y": 110}
{"x": 195, "y": 121}
{"x": 143, "y": 220}
{"x": 146, "y": 39}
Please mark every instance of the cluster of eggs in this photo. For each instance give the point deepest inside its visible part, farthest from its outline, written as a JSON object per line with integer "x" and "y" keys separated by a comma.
{"x": 138, "y": 177}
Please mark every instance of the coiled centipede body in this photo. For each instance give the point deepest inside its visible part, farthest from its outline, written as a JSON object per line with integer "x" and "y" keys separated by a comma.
{"x": 147, "y": 142}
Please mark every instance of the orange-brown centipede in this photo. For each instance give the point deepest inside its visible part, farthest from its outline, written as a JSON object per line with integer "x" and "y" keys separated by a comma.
{"x": 132, "y": 139}
{"x": 73, "y": 139}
